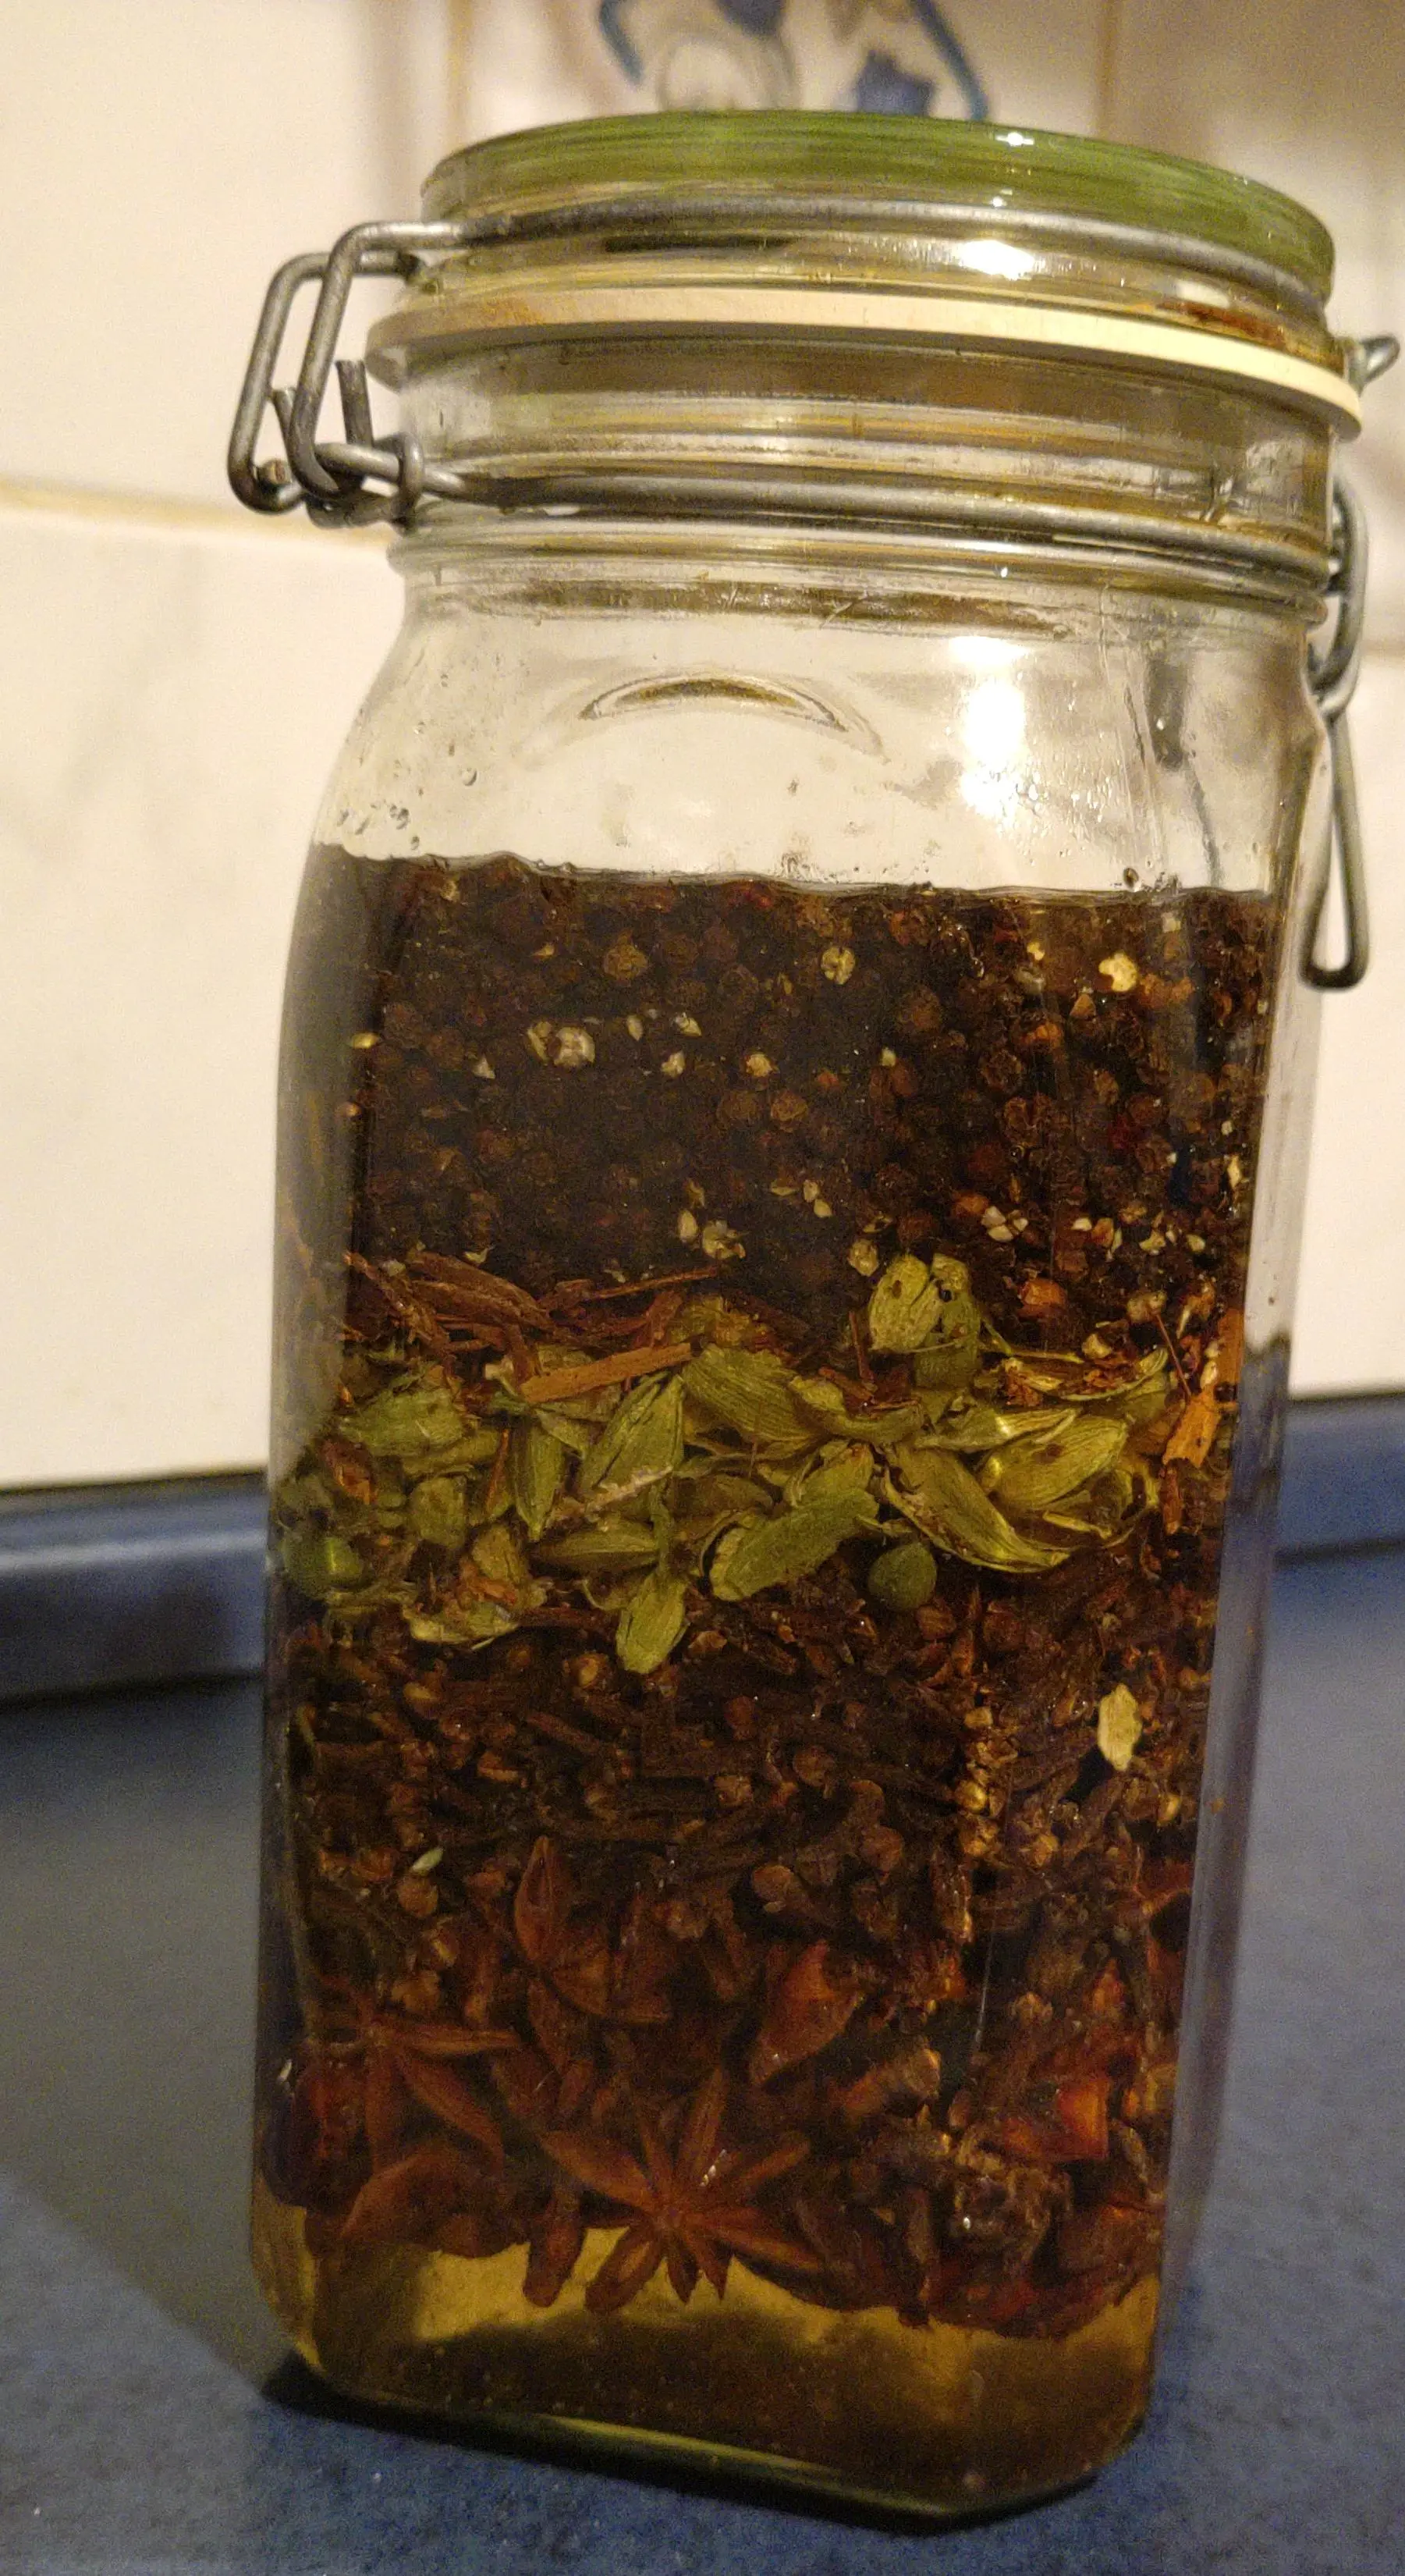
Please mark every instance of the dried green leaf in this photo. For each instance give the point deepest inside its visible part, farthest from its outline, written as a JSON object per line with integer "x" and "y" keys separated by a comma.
{"x": 1028, "y": 1475}
{"x": 753, "y": 1392}
{"x": 838, "y": 1469}
{"x": 575, "y": 1434}
{"x": 762, "y": 1552}
{"x": 1069, "y": 1378}
{"x": 537, "y": 1463}
{"x": 712, "y": 1502}
{"x": 642, "y": 1440}
{"x": 927, "y": 1308}
{"x": 652, "y": 1622}
{"x": 980, "y": 1427}
{"x": 416, "y": 1414}
{"x": 1104, "y": 1510}
{"x": 477, "y": 1448}
{"x": 611, "y": 1547}
{"x": 498, "y": 1552}
{"x": 904, "y": 1306}
{"x": 320, "y": 1563}
{"x": 438, "y": 1512}
{"x": 943, "y": 1500}
{"x": 472, "y": 1622}
{"x": 825, "y": 1404}
{"x": 950, "y": 1356}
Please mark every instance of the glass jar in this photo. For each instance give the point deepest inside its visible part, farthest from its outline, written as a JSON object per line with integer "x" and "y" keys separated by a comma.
{"x": 797, "y": 1057}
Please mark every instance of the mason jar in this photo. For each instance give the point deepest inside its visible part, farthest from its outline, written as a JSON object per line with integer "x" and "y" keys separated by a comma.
{"x": 795, "y": 1084}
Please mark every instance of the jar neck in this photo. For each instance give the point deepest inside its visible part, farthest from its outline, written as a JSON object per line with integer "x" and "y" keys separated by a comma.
{"x": 672, "y": 561}
{"x": 882, "y": 446}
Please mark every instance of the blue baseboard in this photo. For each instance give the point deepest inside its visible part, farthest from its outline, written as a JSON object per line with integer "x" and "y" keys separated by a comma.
{"x": 109, "y": 1586}
{"x": 1343, "y": 1475}
{"x": 125, "y": 1586}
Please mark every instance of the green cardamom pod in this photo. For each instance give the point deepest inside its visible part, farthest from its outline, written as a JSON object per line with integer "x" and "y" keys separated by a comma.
{"x": 320, "y": 1563}
{"x": 537, "y": 1464}
{"x": 642, "y": 1439}
{"x": 752, "y": 1392}
{"x": 612, "y": 1547}
{"x": 1028, "y": 1475}
{"x": 651, "y": 1622}
{"x": 904, "y": 1306}
{"x": 943, "y": 1500}
{"x": 903, "y": 1577}
{"x": 438, "y": 1512}
{"x": 405, "y": 1420}
{"x": 762, "y": 1552}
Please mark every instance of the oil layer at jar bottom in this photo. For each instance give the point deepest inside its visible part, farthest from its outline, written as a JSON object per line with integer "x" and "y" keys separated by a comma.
{"x": 942, "y": 2420}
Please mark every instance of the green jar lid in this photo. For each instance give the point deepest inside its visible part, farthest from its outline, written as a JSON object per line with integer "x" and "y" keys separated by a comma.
{"x": 856, "y": 166}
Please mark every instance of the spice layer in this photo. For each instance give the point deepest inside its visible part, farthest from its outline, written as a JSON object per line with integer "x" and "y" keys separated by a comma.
{"x": 759, "y": 1373}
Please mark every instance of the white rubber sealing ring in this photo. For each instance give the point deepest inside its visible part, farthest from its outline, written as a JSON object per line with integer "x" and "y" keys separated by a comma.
{"x": 495, "y": 311}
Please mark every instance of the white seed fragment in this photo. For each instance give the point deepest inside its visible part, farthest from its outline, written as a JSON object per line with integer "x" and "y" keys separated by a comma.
{"x": 427, "y": 1861}
{"x": 1000, "y": 1234}
{"x": 1234, "y": 1172}
{"x": 366, "y": 1038}
{"x": 635, "y": 1026}
{"x": 992, "y": 1217}
{"x": 782, "y": 1189}
{"x": 863, "y": 1256}
{"x": 687, "y": 1226}
{"x": 1082, "y": 1225}
{"x": 888, "y": 1059}
{"x": 1119, "y": 1727}
{"x": 695, "y": 1194}
{"x": 574, "y": 1047}
{"x": 758, "y": 1066}
{"x": 1196, "y": 1242}
{"x": 538, "y": 1039}
{"x": 1120, "y": 971}
{"x": 1227, "y": 1127}
{"x": 674, "y": 1064}
{"x": 809, "y": 1191}
{"x": 484, "y": 1070}
{"x": 548, "y": 951}
{"x": 1154, "y": 1242}
{"x": 837, "y": 964}
{"x": 1035, "y": 950}
{"x": 686, "y": 1025}
{"x": 1019, "y": 1223}
{"x": 820, "y": 1207}
{"x": 720, "y": 1243}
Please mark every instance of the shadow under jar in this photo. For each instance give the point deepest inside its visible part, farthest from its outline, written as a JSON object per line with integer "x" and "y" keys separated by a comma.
{"x": 795, "y": 1075}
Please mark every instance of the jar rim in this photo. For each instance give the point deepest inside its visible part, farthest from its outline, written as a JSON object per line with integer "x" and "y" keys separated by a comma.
{"x": 683, "y": 165}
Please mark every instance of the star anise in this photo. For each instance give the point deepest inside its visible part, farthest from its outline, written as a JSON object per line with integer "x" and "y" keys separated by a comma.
{"x": 694, "y": 2208}
{"x": 415, "y": 2058}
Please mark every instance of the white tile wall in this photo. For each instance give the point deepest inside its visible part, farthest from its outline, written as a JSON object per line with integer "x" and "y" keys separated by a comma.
{"x": 158, "y": 160}
{"x": 174, "y": 694}
{"x": 1351, "y": 1316}
{"x": 175, "y": 679}
{"x": 1310, "y": 95}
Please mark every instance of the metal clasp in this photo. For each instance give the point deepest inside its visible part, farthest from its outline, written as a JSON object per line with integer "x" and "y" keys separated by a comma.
{"x": 1334, "y": 668}
{"x": 336, "y": 477}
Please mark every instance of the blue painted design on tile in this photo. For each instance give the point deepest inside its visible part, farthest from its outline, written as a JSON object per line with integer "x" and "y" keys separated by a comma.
{"x": 613, "y": 30}
{"x": 758, "y": 17}
{"x": 886, "y": 85}
{"x": 954, "y": 55}
{"x": 883, "y": 88}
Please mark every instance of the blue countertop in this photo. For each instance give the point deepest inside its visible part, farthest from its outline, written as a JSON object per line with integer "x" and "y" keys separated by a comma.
{"x": 152, "y": 2425}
